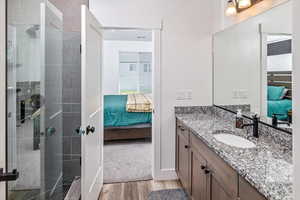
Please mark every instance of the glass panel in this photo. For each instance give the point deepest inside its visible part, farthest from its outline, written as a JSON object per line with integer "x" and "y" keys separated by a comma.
{"x": 34, "y": 96}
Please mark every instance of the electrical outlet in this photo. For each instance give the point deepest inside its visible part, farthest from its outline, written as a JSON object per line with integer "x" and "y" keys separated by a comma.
{"x": 184, "y": 95}
{"x": 240, "y": 94}
{"x": 189, "y": 94}
{"x": 180, "y": 95}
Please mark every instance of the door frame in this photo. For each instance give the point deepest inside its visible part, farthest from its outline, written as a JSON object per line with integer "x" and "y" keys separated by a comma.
{"x": 3, "y": 94}
{"x": 156, "y": 88}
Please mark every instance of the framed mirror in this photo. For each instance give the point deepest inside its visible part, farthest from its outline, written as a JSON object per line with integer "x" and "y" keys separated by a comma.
{"x": 253, "y": 67}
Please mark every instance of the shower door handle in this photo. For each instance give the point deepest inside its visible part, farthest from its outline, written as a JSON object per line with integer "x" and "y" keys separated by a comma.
{"x": 10, "y": 176}
{"x": 80, "y": 131}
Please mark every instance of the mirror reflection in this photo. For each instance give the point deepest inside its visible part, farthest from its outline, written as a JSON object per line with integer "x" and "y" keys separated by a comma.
{"x": 278, "y": 72}
{"x": 253, "y": 67}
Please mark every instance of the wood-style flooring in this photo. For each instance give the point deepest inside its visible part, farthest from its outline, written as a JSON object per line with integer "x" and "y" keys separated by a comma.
{"x": 135, "y": 190}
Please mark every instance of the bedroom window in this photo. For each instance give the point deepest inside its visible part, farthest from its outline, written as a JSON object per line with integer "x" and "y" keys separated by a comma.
{"x": 132, "y": 67}
{"x": 135, "y": 72}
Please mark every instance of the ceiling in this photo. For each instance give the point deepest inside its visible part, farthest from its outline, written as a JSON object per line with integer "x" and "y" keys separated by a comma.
{"x": 128, "y": 35}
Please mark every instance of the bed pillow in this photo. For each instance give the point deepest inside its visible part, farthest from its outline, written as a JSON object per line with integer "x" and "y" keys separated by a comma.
{"x": 275, "y": 92}
{"x": 284, "y": 93}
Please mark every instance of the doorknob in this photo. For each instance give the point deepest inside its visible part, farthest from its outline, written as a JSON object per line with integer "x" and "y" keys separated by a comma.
{"x": 10, "y": 176}
{"x": 80, "y": 131}
{"x": 90, "y": 129}
{"x": 50, "y": 131}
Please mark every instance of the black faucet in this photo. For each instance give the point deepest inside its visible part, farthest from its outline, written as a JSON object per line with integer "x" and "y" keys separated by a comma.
{"x": 275, "y": 120}
{"x": 255, "y": 120}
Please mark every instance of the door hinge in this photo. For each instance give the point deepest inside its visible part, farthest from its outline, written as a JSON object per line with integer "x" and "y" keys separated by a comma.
{"x": 10, "y": 176}
{"x": 80, "y": 161}
{"x": 80, "y": 49}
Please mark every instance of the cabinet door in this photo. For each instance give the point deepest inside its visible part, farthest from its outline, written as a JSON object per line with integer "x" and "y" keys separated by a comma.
{"x": 247, "y": 192}
{"x": 198, "y": 176}
{"x": 217, "y": 192}
{"x": 183, "y": 161}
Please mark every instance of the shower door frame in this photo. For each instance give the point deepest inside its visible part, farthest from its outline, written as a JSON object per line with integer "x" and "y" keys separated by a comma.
{"x": 3, "y": 94}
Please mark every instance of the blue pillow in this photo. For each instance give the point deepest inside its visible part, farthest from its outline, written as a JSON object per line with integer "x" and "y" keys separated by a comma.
{"x": 275, "y": 92}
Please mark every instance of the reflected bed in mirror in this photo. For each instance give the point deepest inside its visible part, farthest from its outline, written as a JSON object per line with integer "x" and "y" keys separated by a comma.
{"x": 253, "y": 67}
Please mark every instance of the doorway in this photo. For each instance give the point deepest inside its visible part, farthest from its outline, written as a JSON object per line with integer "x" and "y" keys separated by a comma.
{"x": 128, "y": 79}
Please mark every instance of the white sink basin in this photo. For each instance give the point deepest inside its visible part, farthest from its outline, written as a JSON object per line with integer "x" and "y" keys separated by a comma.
{"x": 235, "y": 141}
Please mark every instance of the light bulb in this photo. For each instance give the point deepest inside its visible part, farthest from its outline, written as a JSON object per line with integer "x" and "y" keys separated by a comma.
{"x": 244, "y": 4}
{"x": 231, "y": 8}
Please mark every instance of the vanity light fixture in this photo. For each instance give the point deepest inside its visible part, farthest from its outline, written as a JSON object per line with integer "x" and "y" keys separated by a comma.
{"x": 231, "y": 8}
{"x": 244, "y": 4}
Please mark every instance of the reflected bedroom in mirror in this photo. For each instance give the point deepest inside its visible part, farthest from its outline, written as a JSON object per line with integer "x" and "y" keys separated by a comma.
{"x": 253, "y": 67}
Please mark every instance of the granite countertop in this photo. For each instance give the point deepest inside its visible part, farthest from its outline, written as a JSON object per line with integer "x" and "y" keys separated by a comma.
{"x": 267, "y": 167}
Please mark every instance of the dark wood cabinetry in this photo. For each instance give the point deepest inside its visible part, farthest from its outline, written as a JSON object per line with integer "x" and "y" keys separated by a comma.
{"x": 204, "y": 175}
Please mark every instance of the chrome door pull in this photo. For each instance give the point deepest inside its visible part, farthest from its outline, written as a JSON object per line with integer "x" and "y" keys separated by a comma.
{"x": 80, "y": 131}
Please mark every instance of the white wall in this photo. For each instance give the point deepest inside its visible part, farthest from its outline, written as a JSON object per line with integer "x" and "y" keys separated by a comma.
{"x": 2, "y": 94}
{"x": 186, "y": 61}
{"x": 296, "y": 97}
{"x": 111, "y": 49}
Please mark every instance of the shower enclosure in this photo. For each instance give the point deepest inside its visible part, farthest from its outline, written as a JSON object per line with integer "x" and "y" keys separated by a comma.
{"x": 34, "y": 100}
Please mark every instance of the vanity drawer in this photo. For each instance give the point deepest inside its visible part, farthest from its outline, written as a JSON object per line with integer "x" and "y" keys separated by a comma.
{"x": 226, "y": 177}
{"x": 182, "y": 130}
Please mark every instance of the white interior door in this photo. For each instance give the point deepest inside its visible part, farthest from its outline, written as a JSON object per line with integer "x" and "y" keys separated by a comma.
{"x": 91, "y": 106}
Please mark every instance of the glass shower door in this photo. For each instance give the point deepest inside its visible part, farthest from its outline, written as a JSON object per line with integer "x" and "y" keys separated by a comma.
{"x": 34, "y": 99}
{"x": 51, "y": 95}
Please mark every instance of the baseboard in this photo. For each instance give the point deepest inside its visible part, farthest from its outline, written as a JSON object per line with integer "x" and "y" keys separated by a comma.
{"x": 165, "y": 174}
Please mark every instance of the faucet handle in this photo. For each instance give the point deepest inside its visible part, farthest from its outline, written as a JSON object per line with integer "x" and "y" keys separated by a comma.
{"x": 255, "y": 116}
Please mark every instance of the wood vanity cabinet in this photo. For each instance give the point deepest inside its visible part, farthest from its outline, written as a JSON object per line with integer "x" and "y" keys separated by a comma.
{"x": 247, "y": 192}
{"x": 204, "y": 175}
{"x": 182, "y": 158}
{"x": 198, "y": 176}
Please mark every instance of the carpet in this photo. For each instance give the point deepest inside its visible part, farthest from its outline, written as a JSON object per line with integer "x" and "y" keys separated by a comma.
{"x": 173, "y": 194}
{"x": 127, "y": 161}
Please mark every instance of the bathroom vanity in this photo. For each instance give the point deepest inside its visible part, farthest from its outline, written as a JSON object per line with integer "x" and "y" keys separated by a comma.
{"x": 209, "y": 168}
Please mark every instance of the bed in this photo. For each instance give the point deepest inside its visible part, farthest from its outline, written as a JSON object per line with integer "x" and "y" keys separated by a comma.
{"x": 281, "y": 107}
{"x": 280, "y": 94}
{"x": 119, "y": 123}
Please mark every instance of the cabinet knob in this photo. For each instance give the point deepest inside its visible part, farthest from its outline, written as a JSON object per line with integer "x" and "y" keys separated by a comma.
{"x": 186, "y": 146}
{"x": 206, "y": 171}
{"x": 202, "y": 167}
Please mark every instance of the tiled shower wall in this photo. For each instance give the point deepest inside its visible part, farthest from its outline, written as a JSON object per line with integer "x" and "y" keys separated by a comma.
{"x": 71, "y": 106}
{"x": 71, "y": 10}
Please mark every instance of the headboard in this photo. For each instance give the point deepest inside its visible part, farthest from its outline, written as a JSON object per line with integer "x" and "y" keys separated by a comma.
{"x": 281, "y": 78}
